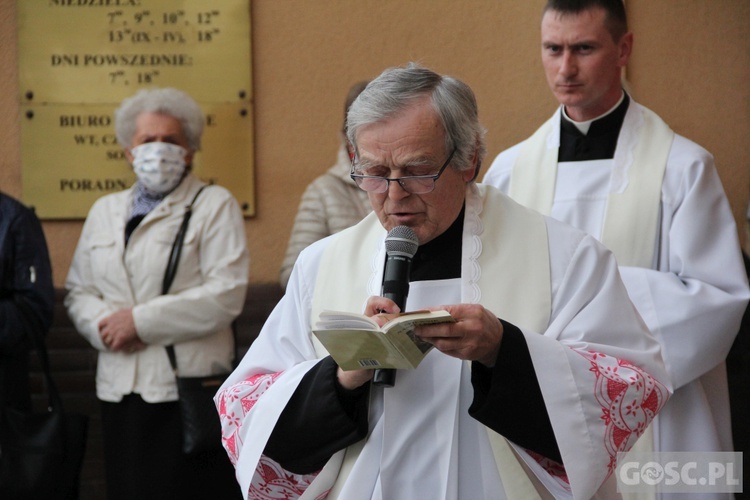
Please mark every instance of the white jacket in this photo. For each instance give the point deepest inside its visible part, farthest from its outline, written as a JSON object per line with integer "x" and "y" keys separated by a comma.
{"x": 208, "y": 291}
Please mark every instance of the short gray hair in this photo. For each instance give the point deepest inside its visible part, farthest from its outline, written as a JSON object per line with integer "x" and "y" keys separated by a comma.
{"x": 454, "y": 102}
{"x": 166, "y": 101}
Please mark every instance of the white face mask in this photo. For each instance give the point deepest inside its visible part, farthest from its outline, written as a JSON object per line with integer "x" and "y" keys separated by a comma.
{"x": 159, "y": 165}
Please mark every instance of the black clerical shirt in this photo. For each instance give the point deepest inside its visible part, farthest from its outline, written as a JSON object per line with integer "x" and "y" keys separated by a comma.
{"x": 322, "y": 417}
{"x": 599, "y": 143}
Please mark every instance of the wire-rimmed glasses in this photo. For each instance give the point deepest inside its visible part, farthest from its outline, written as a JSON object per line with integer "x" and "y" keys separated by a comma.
{"x": 415, "y": 184}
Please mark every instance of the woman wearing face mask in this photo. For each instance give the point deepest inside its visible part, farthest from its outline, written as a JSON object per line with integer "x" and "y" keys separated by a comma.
{"x": 115, "y": 300}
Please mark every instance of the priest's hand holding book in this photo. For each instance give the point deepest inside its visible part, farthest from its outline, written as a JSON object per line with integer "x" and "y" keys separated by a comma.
{"x": 385, "y": 338}
{"x": 475, "y": 336}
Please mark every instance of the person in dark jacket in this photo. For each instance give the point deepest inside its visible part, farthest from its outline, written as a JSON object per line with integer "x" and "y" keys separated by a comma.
{"x": 26, "y": 297}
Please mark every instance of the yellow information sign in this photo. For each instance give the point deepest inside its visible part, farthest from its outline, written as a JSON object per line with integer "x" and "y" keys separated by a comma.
{"x": 80, "y": 58}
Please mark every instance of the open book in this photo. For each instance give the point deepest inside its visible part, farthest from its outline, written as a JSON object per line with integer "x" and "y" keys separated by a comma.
{"x": 356, "y": 342}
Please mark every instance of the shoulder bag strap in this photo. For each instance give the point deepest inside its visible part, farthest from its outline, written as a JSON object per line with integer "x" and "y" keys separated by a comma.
{"x": 174, "y": 258}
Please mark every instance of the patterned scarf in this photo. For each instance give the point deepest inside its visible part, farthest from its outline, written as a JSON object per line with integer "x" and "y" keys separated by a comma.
{"x": 143, "y": 202}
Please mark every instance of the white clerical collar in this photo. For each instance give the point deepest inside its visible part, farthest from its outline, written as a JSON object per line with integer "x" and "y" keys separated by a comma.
{"x": 584, "y": 126}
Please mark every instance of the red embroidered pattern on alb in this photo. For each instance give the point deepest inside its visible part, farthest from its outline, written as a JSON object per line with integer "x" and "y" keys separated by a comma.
{"x": 232, "y": 414}
{"x": 271, "y": 481}
{"x": 630, "y": 399}
{"x": 553, "y": 468}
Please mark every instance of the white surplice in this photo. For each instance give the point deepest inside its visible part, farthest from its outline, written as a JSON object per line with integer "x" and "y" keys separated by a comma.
{"x": 422, "y": 443}
{"x": 694, "y": 292}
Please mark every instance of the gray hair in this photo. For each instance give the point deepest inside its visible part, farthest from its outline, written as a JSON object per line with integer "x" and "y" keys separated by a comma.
{"x": 166, "y": 101}
{"x": 454, "y": 102}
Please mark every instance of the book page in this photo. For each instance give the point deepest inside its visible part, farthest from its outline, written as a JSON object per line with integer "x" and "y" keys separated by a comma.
{"x": 405, "y": 323}
{"x": 331, "y": 320}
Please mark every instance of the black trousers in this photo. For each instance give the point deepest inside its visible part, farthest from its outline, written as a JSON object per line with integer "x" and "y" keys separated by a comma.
{"x": 143, "y": 459}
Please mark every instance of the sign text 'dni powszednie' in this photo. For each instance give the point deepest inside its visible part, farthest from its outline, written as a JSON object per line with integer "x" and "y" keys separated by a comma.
{"x": 80, "y": 58}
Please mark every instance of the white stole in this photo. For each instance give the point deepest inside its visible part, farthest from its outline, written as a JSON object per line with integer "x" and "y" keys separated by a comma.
{"x": 631, "y": 220}
{"x": 505, "y": 267}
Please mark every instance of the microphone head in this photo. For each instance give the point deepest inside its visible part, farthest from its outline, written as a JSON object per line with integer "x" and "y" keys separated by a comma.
{"x": 401, "y": 241}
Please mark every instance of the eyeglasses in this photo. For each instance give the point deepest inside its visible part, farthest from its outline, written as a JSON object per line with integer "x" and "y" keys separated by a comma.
{"x": 414, "y": 184}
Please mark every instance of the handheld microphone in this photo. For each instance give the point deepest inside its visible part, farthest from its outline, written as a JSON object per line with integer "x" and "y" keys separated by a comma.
{"x": 400, "y": 246}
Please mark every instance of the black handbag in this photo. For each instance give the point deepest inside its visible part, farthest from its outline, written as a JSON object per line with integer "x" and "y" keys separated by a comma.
{"x": 41, "y": 453}
{"x": 201, "y": 429}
